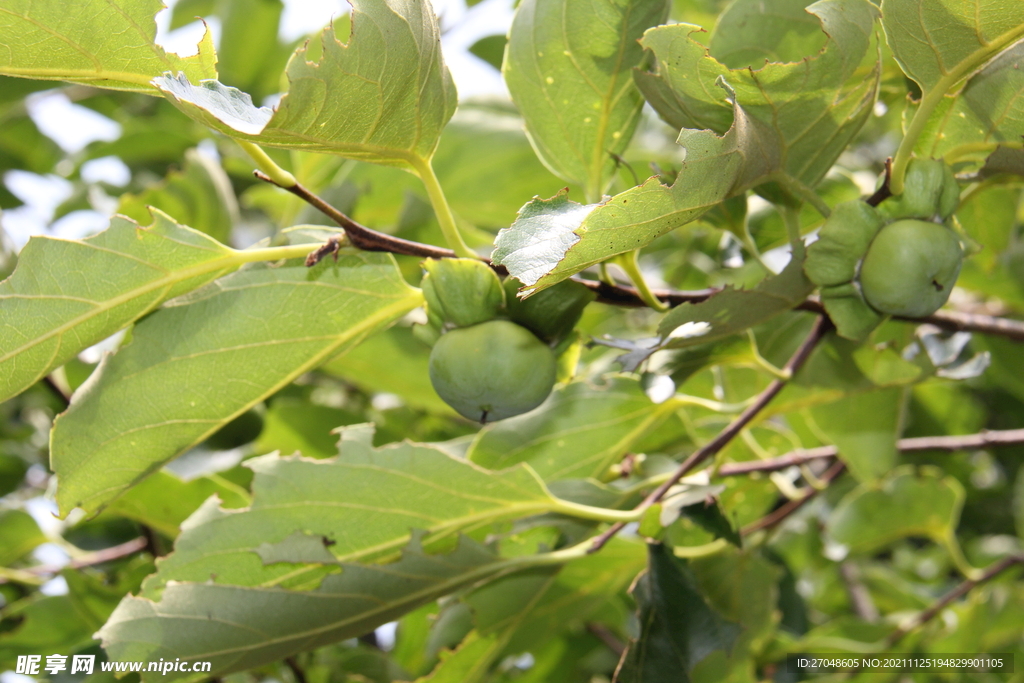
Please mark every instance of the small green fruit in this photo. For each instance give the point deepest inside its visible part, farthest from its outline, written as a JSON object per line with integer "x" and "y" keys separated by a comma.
{"x": 910, "y": 268}
{"x": 929, "y": 189}
{"x": 491, "y": 371}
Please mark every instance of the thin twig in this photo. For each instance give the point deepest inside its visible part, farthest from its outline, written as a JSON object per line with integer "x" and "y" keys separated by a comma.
{"x": 821, "y": 326}
{"x": 368, "y": 239}
{"x": 883, "y": 192}
{"x": 97, "y": 557}
{"x": 789, "y": 507}
{"x": 983, "y": 439}
{"x": 297, "y": 672}
{"x": 860, "y": 597}
{"x": 927, "y": 615}
{"x": 604, "y": 634}
{"x": 361, "y": 236}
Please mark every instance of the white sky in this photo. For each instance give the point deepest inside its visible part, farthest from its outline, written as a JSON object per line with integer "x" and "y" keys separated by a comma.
{"x": 73, "y": 127}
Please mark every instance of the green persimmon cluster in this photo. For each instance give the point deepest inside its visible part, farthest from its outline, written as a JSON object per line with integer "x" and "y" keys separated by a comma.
{"x": 901, "y": 258}
{"x": 495, "y": 356}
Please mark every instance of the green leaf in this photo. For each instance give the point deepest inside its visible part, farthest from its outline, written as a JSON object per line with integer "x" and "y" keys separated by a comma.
{"x": 735, "y": 310}
{"x": 384, "y": 97}
{"x": 296, "y": 426}
{"x": 842, "y": 243}
{"x": 468, "y": 663}
{"x": 407, "y": 359}
{"x": 19, "y": 535}
{"x": 61, "y": 623}
{"x": 51, "y": 312}
{"x": 569, "y": 72}
{"x": 988, "y": 109}
{"x": 940, "y": 42}
{"x": 297, "y": 514}
{"x": 12, "y": 472}
{"x": 182, "y": 378}
{"x": 584, "y": 591}
{"x": 752, "y": 33}
{"x": 552, "y": 239}
{"x": 905, "y": 503}
{"x": 578, "y": 433}
{"x": 239, "y": 627}
{"x": 677, "y": 627}
{"x": 199, "y": 195}
{"x": 811, "y": 108}
{"x": 106, "y": 44}
{"x": 491, "y": 49}
{"x": 163, "y": 501}
{"x": 864, "y": 427}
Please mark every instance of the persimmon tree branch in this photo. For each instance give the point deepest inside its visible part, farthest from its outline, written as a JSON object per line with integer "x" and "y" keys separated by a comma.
{"x": 367, "y": 239}
{"x": 962, "y": 589}
{"x": 32, "y": 574}
{"x": 984, "y": 439}
{"x": 821, "y": 326}
{"x": 790, "y": 506}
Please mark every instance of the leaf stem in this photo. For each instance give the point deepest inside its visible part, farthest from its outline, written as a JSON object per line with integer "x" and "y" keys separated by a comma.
{"x": 278, "y": 175}
{"x": 442, "y": 210}
{"x": 598, "y": 514}
{"x": 791, "y": 217}
{"x": 934, "y": 96}
{"x": 630, "y": 264}
{"x": 803, "y": 192}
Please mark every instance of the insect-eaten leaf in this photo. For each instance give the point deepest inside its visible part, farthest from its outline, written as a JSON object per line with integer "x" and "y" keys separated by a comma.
{"x": 384, "y": 97}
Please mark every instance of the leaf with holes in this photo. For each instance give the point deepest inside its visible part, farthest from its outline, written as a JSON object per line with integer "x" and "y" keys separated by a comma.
{"x": 109, "y": 44}
{"x": 384, "y": 97}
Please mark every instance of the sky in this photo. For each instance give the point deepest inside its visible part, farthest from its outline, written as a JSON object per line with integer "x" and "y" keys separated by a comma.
{"x": 73, "y": 126}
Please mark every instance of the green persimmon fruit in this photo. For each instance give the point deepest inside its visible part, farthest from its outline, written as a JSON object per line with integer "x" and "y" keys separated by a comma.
{"x": 910, "y": 268}
{"x": 493, "y": 370}
{"x": 929, "y": 189}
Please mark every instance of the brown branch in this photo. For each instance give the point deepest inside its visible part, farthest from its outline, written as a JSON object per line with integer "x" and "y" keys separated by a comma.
{"x": 983, "y": 439}
{"x": 883, "y": 192}
{"x": 860, "y": 597}
{"x": 789, "y": 507}
{"x": 961, "y": 590}
{"x": 97, "y": 557}
{"x": 365, "y": 238}
{"x": 297, "y": 672}
{"x": 821, "y": 326}
{"x": 604, "y": 634}
{"x": 360, "y": 236}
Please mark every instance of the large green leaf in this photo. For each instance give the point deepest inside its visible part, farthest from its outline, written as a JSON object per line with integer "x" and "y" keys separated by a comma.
{"x": 199, "y": 195}
{"x": 988, "y": 109}
{"x": 812, "y": 106}
{"x": 677, "y": 627}
{"x": 384, "y": 97}
{"x": 790, "y": 119}
{"x": 906, "y": 503}
{"x": 568, "y": 68}
{"x": 578, "y": 433}
{"x": 359, "y": 506}
{"x": 939, "y": 42}
{"x": 51, "y": 312}
{"x": 194, "y": 366}
{"x": 19, "y": 535}
{"x": 240, "y": 627}
{"x": 552, "y": 239}
{"x": 864, "y": 427}
{"x": 108, "y": 44}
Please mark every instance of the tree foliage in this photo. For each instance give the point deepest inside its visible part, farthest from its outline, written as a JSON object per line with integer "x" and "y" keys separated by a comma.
{"x": 743, "y": 456}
